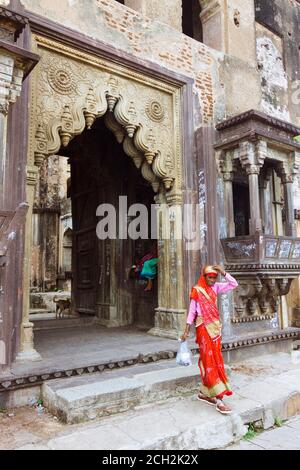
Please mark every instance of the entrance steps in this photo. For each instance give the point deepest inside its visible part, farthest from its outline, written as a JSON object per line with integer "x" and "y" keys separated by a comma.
{"x": 79, "y": 399}
{"x": 266, "y": 389}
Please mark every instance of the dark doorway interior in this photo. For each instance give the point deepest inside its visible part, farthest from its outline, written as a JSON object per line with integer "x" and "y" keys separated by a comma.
{"x": 241, "y": 208}
{"x": 191, "y": 22}
{"x": 102, "y": 285}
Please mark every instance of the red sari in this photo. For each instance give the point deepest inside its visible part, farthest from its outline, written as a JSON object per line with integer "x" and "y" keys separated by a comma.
{"x": 208, "y": 337}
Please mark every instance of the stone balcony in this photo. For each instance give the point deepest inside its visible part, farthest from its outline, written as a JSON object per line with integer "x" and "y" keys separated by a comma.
{"x": 264, "y": 254}
{"x": 265, "y": 266}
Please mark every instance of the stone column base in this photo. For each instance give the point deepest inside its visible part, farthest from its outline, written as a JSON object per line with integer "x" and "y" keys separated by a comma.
{"x": 27, "y": 353}
{"x": 28, "y": 356}
{"x": 169, "y": 323}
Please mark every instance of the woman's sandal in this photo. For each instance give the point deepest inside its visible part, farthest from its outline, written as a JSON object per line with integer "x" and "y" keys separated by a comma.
{"x": 209, "y": 401}
{"x": 222, "y": 408}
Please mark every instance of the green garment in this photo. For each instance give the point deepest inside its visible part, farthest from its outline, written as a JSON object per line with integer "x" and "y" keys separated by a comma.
{"x": 149, "y": 270}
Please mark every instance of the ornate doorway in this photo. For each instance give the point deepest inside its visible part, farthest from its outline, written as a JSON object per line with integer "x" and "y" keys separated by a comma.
{"x": 71, "y": 93}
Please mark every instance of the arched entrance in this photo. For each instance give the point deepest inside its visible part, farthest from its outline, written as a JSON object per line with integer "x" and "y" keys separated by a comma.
{"x": 70, "y": 93}
{"x": 104, "y": 178}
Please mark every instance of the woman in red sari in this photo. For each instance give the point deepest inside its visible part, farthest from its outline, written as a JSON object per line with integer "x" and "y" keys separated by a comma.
{"x": 204, "y": 313}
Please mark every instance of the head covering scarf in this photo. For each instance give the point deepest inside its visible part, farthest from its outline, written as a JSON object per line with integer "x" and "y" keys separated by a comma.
{"x": 207, "y": 298}
{"x": 207, "y": 270}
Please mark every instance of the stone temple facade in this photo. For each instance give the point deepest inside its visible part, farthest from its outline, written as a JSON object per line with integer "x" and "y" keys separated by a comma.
{"x": 192, "y": 103}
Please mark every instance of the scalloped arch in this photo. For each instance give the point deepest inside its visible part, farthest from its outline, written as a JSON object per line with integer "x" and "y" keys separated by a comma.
{"x": 143, "y": 115}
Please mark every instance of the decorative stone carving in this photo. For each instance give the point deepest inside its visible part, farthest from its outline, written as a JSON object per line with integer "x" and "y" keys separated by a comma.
{"x": 67, "y": 130}
{"x": 61, "y": 79}
{"x": 112, "y": 93}
{"x": 4, "y": 107}
{"x": 155, "y": 111}
{"x": 287, "y": 171}
{"x": 90, "y": 113}
{"x": 11, "y": 24}
{"x": 126, "y": 115}
{"x": 72, "y": 89}
{"x": 11, "y": 82}
{"x": 146, "y": 141}
{"x": 115, "y": 127}
{"x": 132, "y": 152}
{"x": 40, "y": 146}
{"x": 150, "y": 176}
{"x": 246, "y": 297}
{"x": 252, "y": 156}
{"x": 259, "y": 296}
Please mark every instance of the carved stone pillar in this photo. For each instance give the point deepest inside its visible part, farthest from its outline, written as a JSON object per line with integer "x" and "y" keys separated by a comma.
{"x": 287, "y": 172}
{"x": 255, "y": 216}
{"x": 16, "y": 63}
{"x": 227, "y": 170}
{"x": 266, "y": 202}
{"x": 27, "y": 351}
{"x": 170, "y": 316}
{"x": 10, "y": 89}
{"x": 252, "y": 156}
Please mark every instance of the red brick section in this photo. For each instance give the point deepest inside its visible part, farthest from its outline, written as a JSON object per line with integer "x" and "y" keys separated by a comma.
{"x": 185, "y": 55}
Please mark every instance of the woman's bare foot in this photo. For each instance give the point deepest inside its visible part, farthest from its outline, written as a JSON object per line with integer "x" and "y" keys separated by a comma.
{"x": 149, "y": 285}
{"x": 223, "y": 408}
{"x": 208, "y": 400}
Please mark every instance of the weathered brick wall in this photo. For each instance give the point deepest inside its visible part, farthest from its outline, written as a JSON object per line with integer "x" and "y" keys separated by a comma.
{"x": 129, "y": 30}
{"x": 159, "y": 43}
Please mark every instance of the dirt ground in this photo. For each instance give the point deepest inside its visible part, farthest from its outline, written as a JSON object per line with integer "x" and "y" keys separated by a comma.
{"x": 22, "y": 426}
{"x": 246, "y": 369}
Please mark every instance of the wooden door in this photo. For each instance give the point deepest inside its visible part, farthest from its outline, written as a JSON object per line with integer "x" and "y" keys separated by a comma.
{"x": 84, "y": 259}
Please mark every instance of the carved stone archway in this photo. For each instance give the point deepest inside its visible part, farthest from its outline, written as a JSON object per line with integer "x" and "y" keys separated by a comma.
{"x": 73, "y": 89}
{"x": 69, "y": 91}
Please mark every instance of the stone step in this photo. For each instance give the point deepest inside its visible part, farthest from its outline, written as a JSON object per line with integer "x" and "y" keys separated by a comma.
{"x": 86, "y": 398}
{"x": 48, "y": 321}
{"x": 265, "y": 388}
{"x": 41, "y": 311}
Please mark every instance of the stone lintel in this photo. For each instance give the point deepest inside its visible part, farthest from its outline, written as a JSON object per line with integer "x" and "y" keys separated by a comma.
{"x": 253, "y": 126}
{"x": 12, "y": 22}
{"x": 24, "y": 60}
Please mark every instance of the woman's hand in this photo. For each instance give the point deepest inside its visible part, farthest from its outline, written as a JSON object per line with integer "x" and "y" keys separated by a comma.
{"x": 184, "y": 336}
{"x": 219, "y": 268}
{"x": 186, "y": 333}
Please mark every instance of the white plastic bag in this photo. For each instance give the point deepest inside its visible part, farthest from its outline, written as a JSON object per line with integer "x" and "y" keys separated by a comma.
{"x": 184, "y": 355}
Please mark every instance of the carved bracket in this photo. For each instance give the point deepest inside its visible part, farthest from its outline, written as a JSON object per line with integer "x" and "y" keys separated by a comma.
{"x": 258, "y": 297}
{"x": 252, "y": 155}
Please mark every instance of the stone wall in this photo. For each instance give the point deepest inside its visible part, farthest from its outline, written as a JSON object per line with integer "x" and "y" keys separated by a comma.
{"x": 145, "y": 38}
{"x": 278, "y": 38}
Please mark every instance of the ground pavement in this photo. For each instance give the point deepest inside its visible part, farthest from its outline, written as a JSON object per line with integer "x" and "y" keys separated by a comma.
{"x": 267, "y": 393}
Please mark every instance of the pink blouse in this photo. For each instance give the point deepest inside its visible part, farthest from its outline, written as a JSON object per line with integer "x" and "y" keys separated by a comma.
{"x": 219, "y": 288}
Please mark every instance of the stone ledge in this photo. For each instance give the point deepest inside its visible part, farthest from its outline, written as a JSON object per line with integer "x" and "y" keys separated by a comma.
{"x": 13, "y": 382}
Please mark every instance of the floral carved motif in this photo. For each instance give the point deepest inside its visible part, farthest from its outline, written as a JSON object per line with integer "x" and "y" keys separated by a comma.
{"x": 155, "y": 111}
{"x": 60, "y": 79}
